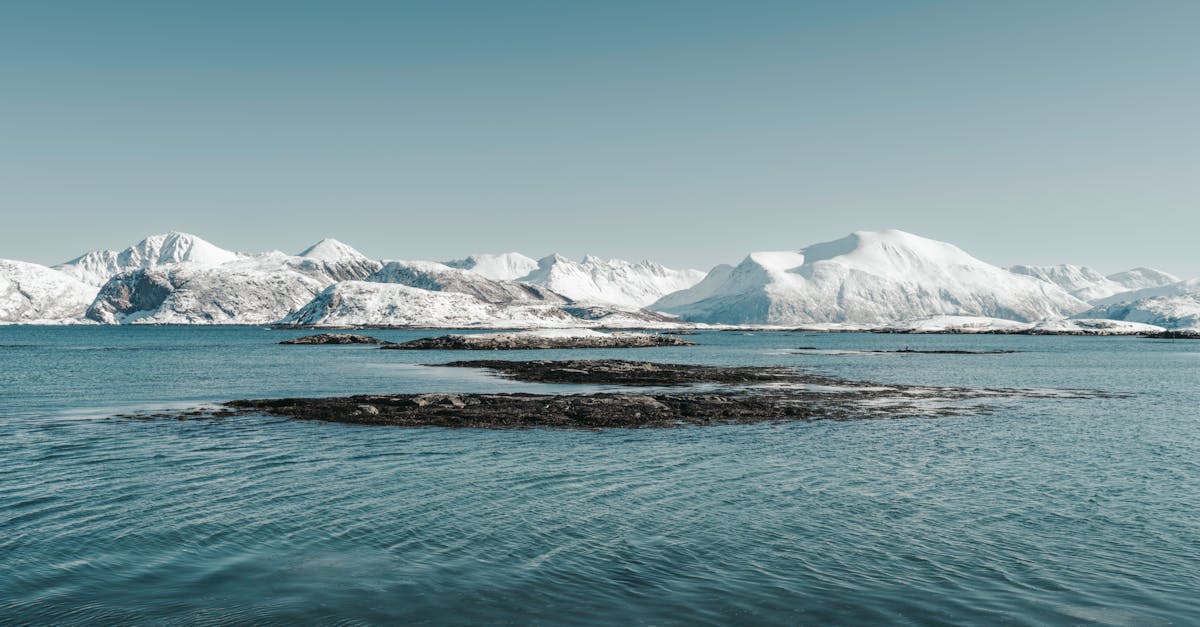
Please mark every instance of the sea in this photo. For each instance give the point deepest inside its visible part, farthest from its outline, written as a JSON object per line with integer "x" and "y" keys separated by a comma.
{"x": 1043, "y": 511}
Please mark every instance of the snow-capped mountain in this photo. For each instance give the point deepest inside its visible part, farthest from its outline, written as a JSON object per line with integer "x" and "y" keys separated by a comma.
{"x": 340, "y": 261}
{"x": 866, "y": 280}
{"x": 1173, "y": 306}
{"x": 708, "y": 286}
{"x": 1087, "y": 284}
{"x": 156, "y": 251}
{"x": 869, "y": 277}
{"x": 433, "y": 276}
{"x": 256, "y": 289}
{"x": 502, "y": 267}
{"x": 31, "y": 293}
{"x": 1142, "y": 278}
{"x": 610, "y": 282}
{"x": 394, "y": 304}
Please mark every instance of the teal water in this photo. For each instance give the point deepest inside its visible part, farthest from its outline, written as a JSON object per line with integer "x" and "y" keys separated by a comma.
{"x": 1049, "y": 511}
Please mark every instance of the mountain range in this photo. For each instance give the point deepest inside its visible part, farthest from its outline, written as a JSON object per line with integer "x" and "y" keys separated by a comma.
{"x": 867, "y": 279}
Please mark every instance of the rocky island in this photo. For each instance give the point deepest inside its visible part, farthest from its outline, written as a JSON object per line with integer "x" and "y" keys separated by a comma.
{"x": 541, "y": 340}
{"x": 335, "y": 338}
{"x": 710, "y": 395}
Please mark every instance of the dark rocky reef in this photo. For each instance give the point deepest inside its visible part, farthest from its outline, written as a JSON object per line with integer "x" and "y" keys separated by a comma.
{"x": 1174, "y": 335}
{"x": 742, "y": 395}
{"x": 336, "y": 338}
{"x": 638, "y": 373}
{"x": 527, "y": 341}
{"x": 567, "y": 411}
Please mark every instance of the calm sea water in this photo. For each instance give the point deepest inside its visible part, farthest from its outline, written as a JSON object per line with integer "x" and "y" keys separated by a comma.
{"x": 1048, "y": 512}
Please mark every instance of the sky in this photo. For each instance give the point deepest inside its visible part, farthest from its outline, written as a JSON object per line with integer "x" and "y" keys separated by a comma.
{"x": 690, "y": 133}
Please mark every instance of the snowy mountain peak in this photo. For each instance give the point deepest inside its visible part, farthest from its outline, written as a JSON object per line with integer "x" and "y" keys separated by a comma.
{"x": 330, "y": 249}
{"x": 610, "y": 282}
{"x": 777, "y": 261}
{"x": 1080, "y": 281}
{"x": 1141, "y": 278}
{"x": 552, "y": 259}
{"x": 155, "y": 251}
{"x": 867, "y": 277}
{"x": 891, "y": 251}
{"x": 1089, "y": 285}
{"x": 501, "y": 267}
{"x": 175, "y": 247}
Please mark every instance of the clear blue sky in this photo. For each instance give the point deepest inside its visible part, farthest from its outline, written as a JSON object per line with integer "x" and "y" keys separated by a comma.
{"x": 688, "y": 132}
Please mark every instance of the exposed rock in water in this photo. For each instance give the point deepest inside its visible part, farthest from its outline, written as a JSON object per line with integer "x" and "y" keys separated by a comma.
{"x": 1184, "y": 334}
{"x": 638, "y": 373}
{"x": 752, "y": 395}
{"x": 538, "y": 340}
{"x": 336, "y": 338}
{"x": 568, "y": 411}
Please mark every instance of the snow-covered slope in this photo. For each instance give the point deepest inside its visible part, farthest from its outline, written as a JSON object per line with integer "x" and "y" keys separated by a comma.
{"x": 1142, "y": 278}
{"x": 870, "y": 277}
{"x": 1173, "y": 306}
{"x": 340, "y": 261}
{"x": 394, "y": 304}
{"x": 1089, "y": 285}
{"x": 430, "y": 275}
{"x": 156, "y": 251}
{"x": 611, "y": 282}
{"x": 31, "y": 293}
{"x": 707, "y": 287}
{"x": 255, "y": 289}
{"x": 1081, "y": 282}
{"x": 502, "y": 267}
{"x": 972, "y": 324}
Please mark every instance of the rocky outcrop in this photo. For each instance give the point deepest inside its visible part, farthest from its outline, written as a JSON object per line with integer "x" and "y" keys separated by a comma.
{"x": 131, "y": 293}
{"x": 335, "y": 338}
{"x": 795, "y": 396}
{"x": 540, "y": 340}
